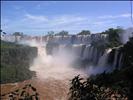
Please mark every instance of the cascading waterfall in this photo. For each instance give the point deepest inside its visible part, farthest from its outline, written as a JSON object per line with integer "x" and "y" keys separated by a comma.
{"x": 79, "y": 47}
{"x": 86, "y": 52}
{"x": 103, "y": 59}
{"x": 57, "y": 66}
{"x": 91, "y": 52}
{"x": 120, "y": 61}
{"x": 95, "y": 56}
{"x": 115, "y": 59}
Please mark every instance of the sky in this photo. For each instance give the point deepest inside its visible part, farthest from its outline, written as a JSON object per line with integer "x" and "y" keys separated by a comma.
{"x": 39, "y": 17}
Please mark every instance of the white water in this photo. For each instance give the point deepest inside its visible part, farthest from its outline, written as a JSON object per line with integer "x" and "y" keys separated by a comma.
{"x": 103, "y": 59}
{"x": 101, "y": 66}
{"x": 86, "y": 52}
{"x": 90, "y": 52}
{"x": 126, "y": 34}
{"x": 95, "y": 55}
{"x": 120, "y": 61}
{"x": 115, "y": 59}
{"x": 57, "y": 66}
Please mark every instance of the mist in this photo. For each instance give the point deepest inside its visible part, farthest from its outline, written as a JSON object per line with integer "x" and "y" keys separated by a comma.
{"x": 58, "y": 66}
{"x": 126, "y": 34}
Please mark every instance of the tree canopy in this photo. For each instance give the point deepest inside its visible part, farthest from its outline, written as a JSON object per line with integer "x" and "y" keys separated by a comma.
{"x": 62, "y": 33}
{"x": 50, "y": 33}
{"x": 114, "y": 37}
{"x": 18, "y": 34}
{"x": 84, "y": 32}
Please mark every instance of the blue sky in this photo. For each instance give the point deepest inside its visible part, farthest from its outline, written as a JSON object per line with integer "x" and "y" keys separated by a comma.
{"x": 39, "y": 17}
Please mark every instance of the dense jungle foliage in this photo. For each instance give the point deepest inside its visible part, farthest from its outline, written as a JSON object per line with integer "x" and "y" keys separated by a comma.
{"x": 15, "y": 62}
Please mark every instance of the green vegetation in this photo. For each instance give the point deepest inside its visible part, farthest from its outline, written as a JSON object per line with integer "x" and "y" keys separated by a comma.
{"x": 15, "y": 62}
{"x": 50, "y": 33}
{"x": 84, "y": 32}
{"x": 18, "y": 34}
{"x": 9, "y": 45}
{"x": 62, "y": 33}
{"x": 113, "y": 36}
{"x": 88, "y": 89}
{"x": 113, "y": 39}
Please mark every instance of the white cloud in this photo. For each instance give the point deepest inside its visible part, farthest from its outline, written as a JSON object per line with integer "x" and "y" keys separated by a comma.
{"x": 73, "y": 23}
{"x": 97, "y": 23}
{"x": 53, "y": 21}
{"x": 127, "y": 15}
{"x": 66, "y": 19}
{"x": 36, "y": 18}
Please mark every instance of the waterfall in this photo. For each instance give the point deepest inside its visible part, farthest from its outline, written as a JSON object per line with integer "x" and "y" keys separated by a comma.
{"x": 61, "y": 47}
{"x": 55, "y": 50}
{"x": 76, "y": 49}
{"x": 100, "y": 54}
{"x": 86, "y": 52}
{"x": 103, "y": 59}
{"x": 90, "y": 52}
{"x": 120, "y": 61}
{"x": 72, "y": 39}
{"x": 93, "y": 53}
{"x": 81, "y": 48}
{"x": 95, "y": 56}
{"x": 82, "y": 51}
{"x": 57, "y": 66}
{"x": 115, "y": 59}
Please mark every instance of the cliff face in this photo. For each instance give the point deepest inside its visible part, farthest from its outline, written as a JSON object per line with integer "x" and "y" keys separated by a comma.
{"x": 15, "y": 62}
{"x": 122, "y": 56}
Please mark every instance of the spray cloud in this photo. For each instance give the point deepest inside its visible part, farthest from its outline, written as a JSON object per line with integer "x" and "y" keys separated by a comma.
{"x": 56, "y": 66}
{"x": 126, "y": 34}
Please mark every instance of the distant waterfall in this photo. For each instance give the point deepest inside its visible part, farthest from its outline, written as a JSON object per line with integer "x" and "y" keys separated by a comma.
{"x": 76, "y": 49}
{"x": 115, "y": 59}
{"x": 103, "y": 59}
{"x": 86, "y": 52}
{"x": 83, "y": 50}
{"x": 95, "y": 56}
{"x": 91, "y": 52}
{"x": 120, "y": 61}
{"x": 81, "y": 47}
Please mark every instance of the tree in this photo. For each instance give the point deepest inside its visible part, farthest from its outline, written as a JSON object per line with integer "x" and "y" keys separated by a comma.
{"x": 84, "y": 32}
{"x": 50, "y": 33}
{"x": 16, "y": 34}
{"x": 89, "y": 89}
{"x": 114, "y": 38}
{"x": 62, "y": 33}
